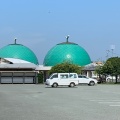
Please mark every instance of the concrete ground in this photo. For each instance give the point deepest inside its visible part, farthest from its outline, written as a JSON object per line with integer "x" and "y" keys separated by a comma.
{"x": 38, "y": 102}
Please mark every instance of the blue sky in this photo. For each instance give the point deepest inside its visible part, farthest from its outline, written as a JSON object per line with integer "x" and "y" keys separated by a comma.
{"x": 41, "y": 24}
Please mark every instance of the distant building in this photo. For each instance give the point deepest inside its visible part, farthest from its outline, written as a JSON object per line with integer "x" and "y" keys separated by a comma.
{"x": 89, "y": 70}
{"x": 18, "y": 64}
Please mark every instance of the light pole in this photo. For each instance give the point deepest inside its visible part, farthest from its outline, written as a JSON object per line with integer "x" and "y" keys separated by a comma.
{"x": 112, "y": 49}
{"x": 107, "y": 56}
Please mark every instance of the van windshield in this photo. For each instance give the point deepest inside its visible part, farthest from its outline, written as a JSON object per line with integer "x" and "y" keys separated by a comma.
{"x": 54, "y": 76}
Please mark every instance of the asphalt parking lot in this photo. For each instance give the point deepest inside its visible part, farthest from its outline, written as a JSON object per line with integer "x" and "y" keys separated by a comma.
{"x": 38, "y": 102}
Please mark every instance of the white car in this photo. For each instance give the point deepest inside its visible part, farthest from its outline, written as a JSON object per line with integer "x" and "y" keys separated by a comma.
{"x": 85, "y": 80}
{"x": 111, "y": 79}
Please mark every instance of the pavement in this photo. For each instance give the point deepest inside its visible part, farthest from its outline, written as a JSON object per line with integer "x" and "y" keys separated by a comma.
{"x": 39, "y": 102}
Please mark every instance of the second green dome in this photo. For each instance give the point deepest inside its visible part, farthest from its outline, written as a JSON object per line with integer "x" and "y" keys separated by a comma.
{"x": 67, "y": 52}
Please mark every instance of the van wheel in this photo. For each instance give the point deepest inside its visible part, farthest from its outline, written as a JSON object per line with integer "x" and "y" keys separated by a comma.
{"x": 72, "y": 84}
{"x": 55, "y": 85}
{"x": 92, "y": 83}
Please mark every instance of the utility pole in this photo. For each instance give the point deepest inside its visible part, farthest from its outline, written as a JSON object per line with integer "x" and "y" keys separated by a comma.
{"x": 107, "y": 54}
{"x": 112, "y": 49}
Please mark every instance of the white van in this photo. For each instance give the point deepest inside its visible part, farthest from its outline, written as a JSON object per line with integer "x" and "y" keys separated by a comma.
{"x": 62, "y": 79}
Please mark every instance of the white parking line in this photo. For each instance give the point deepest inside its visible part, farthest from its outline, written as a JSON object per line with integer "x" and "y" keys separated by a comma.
{"x": 108, "y": 102}
{"x": 114, "y": 105}
{"x": 111, "y": 103}
{"x": 105, "y": 100}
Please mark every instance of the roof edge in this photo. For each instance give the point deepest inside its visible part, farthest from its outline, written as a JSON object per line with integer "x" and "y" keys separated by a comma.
{"x": 67, "y": 43}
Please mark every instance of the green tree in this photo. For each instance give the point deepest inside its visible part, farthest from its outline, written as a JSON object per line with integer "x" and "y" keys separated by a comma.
{"x": 101, "y": 74}
{"x": 40, "y": 77}
{"x": 107, "y": 69}
{"x": 112, "y": 67}
{"x": 65, "y": 67}
{"x": 98, "y": 70}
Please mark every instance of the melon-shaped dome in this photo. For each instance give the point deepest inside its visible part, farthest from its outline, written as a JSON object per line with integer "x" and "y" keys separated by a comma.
{"x": 67, "y": 52}
{"x": 18, "y": 51}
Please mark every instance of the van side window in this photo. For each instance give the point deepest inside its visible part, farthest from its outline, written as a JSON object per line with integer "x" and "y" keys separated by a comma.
{"x": 73, "y": 76}
{"x": 65, "y": 76}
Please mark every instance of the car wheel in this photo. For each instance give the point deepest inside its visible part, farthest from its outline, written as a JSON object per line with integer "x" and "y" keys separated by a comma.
{"x": 55, "y": 85}
{"x": 72, "y": 84}
{"x": 92, "y": 83}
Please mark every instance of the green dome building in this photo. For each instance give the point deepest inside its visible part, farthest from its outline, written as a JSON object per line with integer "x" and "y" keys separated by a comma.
{"x": 67, "y": 52}
{"x": 18, "y": 64}
{"x": 19, "y": 52}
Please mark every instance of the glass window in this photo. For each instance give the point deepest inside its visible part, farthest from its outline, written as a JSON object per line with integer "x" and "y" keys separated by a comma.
{"x": 54, "y": 76}
{"x": 80, "y": 76}
{"x": 73, "y": 76}
{"x": 64, "y": 76}
{"x": 84, "y": 77}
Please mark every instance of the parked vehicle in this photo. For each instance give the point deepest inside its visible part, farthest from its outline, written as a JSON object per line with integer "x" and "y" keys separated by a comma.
{"x": 62, "y": 79}
{"x": 69, "y": 79}
{"x": 111, "y": 79}
{"x": 85, "y": 80}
